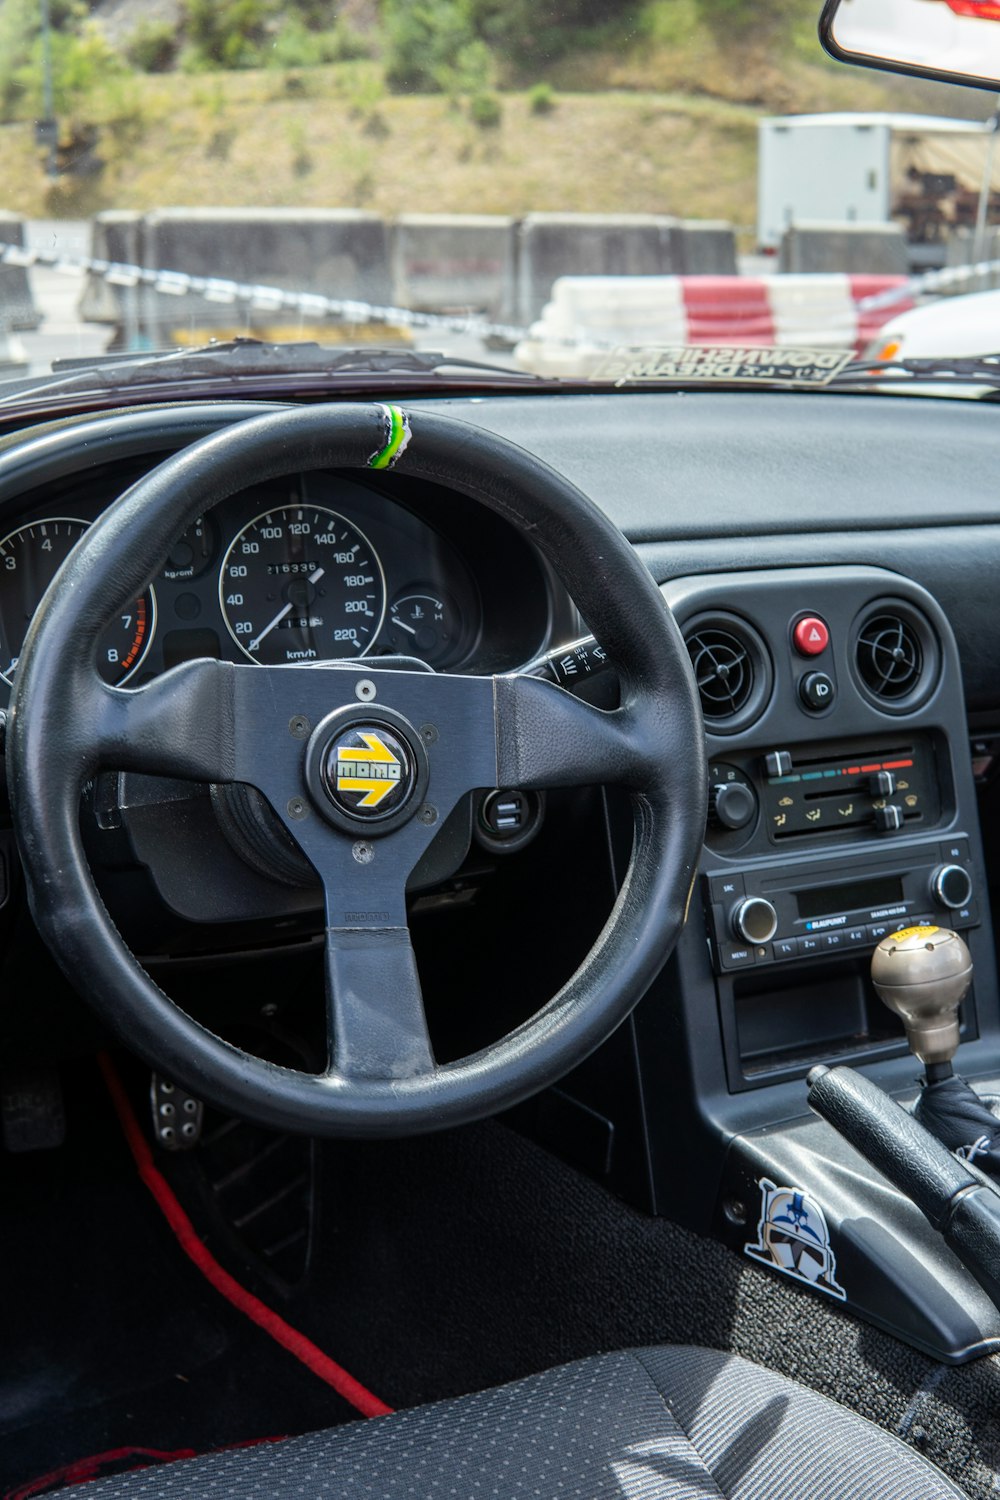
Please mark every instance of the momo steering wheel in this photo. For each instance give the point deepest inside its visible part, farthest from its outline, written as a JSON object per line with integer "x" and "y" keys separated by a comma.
{"x": 362, "y": 764}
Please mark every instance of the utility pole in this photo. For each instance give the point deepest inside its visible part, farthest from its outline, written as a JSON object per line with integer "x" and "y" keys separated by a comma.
{"x": 985, "y": 188}
{"x": 47, "y": 129}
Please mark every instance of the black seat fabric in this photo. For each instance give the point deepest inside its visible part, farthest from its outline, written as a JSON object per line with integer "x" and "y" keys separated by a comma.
{"x": 675, "y": 1423}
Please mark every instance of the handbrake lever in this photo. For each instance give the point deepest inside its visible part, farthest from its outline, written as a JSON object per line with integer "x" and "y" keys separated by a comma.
{"x": 953, "y": 1195}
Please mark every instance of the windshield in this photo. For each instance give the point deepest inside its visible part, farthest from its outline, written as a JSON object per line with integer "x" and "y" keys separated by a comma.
{"x": 548, "y": 188}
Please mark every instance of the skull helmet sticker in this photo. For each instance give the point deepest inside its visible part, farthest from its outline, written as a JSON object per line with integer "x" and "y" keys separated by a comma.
{"x": 792, "y": 1237}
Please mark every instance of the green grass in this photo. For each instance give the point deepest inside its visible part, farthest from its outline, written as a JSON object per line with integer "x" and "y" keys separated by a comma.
{"x": 662, "y": 121}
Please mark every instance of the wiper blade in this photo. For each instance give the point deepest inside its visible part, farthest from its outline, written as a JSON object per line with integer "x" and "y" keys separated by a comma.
{"x": 244, "y": 357}
{"x": 965, "y": 369}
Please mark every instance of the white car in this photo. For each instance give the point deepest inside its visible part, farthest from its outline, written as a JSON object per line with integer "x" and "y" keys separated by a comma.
{"x": 951, "y": 326}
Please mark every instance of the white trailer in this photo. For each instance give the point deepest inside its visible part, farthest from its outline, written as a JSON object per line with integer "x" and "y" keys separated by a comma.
{"x": 920, "y": 171}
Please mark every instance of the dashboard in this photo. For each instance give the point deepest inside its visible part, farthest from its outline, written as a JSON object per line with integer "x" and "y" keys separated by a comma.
{"x": 308, "y": 568}
{"x": 832, "y": 562}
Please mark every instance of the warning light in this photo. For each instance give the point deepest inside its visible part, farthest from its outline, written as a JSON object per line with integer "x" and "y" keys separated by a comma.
{"x": 810, "y": 636}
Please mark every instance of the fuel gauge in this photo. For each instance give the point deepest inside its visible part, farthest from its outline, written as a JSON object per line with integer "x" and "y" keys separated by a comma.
{"x": 424, "y": 625}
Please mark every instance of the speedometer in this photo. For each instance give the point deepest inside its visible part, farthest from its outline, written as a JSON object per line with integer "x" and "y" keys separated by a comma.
{"x": 301, "y": 583}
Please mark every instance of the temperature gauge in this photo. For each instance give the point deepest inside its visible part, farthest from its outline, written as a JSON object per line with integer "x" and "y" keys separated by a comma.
{"x": 424, "y": 625}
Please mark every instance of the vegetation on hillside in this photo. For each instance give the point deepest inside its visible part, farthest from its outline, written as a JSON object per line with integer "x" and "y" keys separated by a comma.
{"x": 499, "y": 105}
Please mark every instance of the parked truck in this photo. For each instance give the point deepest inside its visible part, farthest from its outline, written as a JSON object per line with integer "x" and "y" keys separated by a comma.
{"x": 921, "y": 172}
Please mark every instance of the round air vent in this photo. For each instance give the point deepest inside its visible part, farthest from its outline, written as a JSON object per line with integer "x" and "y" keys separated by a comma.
{"x": 732, "y": 670}
{"x": 723, "y": 670}
{"x": 889, "y": 657}
{"x": 895, "y": 656}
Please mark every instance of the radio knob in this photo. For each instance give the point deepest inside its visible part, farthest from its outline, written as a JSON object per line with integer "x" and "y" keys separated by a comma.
{"x": 951, "y": 886}
{"x": 733, "y": 804}
{"x": 754, "y": 920}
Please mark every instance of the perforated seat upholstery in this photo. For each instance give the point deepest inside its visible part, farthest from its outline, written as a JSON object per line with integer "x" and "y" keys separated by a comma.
{"x": 675, "y": 1423}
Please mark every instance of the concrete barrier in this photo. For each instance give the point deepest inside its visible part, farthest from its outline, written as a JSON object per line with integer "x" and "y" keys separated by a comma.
{"x": 551, "y": 246}
{"x": 866, "y": 249}
{"x": 556, "y": 245}
{"x": 588, "y": 315}
{"x": 17, "y": 303}
{"x": 455, "y": 263}
{"x": 335, "y": 252}
{"x": 116, "y": 235}
{"x": 702, "y": 247}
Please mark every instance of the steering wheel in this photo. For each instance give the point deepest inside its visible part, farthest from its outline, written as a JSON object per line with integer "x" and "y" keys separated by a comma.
{"x": 362, "y": 764}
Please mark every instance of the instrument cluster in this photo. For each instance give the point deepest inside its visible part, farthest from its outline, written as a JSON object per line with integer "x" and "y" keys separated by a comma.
{"x": 311, "y": 567}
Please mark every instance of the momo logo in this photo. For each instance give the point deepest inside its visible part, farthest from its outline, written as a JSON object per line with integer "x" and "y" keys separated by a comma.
{"x": 368, "y": 774}
{"x": 370, "y": 770}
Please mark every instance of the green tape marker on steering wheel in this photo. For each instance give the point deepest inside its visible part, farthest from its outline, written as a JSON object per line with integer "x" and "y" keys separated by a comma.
{"x": 397, "y": 436}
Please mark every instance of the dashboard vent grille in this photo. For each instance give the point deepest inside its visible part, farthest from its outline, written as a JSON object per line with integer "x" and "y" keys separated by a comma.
{"x": 890, "y": 657}
{"x": 724, "y": 670}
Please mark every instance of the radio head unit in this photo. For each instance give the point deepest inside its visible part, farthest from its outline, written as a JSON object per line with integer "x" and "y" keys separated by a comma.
{"x": 782, "y": 913}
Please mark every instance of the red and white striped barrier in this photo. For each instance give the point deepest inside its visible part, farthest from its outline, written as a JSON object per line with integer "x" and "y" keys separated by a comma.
{"x": 588, "y": 314}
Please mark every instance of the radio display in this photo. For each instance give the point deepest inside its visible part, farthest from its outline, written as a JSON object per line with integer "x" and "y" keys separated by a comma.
{"x": 821, "y": 900}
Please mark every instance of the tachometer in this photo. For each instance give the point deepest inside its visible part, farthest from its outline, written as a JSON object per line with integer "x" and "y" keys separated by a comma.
{"x": 301, "y": 583}
{"x": 30, "y": 557}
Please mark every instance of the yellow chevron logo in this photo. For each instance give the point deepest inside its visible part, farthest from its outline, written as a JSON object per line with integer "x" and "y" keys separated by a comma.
{"x": 375, "y": 771}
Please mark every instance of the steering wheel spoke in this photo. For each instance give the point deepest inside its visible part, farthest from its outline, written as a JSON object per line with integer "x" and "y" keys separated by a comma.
{"x": 375, "y": 1010}
{"x": 547, "y": 738}
{"x": 181, "y": 724}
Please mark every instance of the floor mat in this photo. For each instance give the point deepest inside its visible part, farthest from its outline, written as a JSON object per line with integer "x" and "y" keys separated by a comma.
{"x": 441, "y": 1265}
{"x": 110, "y": 1337}
{"x": 475, "y": 1257}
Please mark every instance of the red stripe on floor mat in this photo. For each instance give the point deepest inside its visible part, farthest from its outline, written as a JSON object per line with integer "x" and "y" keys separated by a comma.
{"x": 245, "y": 1302}
{"x": 101, "y": 1465}
{"x": 83, "y": 1470}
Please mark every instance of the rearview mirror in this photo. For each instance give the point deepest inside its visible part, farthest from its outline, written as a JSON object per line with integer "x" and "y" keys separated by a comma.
{"x": 953, "y": 41}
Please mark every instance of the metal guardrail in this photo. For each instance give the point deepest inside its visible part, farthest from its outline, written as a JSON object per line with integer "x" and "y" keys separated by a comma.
{"x": 930, "y": 281}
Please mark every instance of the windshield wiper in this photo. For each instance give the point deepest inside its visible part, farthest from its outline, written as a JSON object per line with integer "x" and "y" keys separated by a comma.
{"x": 966, "y": 369}
{"x": 243, "y": 357}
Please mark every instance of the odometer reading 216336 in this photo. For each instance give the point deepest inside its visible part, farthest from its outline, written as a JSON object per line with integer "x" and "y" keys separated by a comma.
{"x": 301, "y": 583}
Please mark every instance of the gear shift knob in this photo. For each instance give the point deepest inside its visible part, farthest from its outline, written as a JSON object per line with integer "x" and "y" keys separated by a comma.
{"x": 923, "y": 974}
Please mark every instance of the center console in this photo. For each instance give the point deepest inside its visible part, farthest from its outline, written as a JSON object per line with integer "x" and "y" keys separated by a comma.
{"x": 842, "y": 808}
{"x": 836, "y": 816}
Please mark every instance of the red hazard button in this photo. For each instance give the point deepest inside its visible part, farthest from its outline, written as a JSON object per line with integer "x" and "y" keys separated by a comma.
{"x": 810, "y": 636}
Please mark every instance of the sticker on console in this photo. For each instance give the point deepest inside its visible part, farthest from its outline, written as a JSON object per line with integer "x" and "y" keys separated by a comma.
{"x": 793, "y": 1237}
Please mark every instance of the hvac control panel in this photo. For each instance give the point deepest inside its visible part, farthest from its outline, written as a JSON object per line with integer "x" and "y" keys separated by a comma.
{"x": 825, "y": 790}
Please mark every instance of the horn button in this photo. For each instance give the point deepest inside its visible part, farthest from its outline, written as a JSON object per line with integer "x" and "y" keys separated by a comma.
{"x": 366, "y": 772}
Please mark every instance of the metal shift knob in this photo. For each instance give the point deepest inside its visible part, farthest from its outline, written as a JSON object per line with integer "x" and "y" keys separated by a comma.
{"x": 923, "y": 974}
